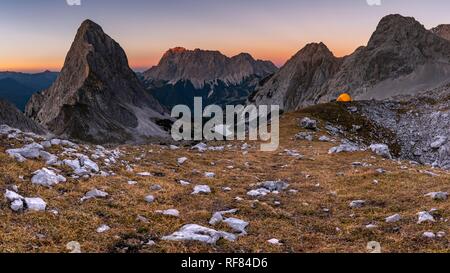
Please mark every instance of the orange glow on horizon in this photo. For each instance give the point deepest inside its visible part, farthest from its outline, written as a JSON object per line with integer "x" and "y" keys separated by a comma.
{"x": 142, "y": 62}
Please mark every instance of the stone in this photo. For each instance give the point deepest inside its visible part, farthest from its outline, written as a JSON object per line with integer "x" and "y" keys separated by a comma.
{"x": 201, "y": 147}
{"x": 149, "y": 199}
{"x": 155, "y": 187}
{"x": 201, "y": 189}
{"x": 194, "y": 232}
{"x": 429, "y": 235}
{"x": 324, "y": 139}
{"x": 50, "y": 159}
{"x": 47, "y": 178}
{"x": 258, "y": 192}
{"x": 88, "y": 164}
{"x": 210, "y": 174}
{"x": 17, "y": 205}
{"x": 394, "y": 218}
{"x": 94, "y": 193}
{"x": 440, "y": 196}
{"x": 425, "y": 216}
{"x": 308, "y": 123}
{"x": 169, "y": 212}
{"x": 35, "y": 204}
{"x": 103, "y": 228}
{"x": 217, "y": 217}
{"x": 357, "y": 204}
{"x": 181, "y": 160}
{"x": 438, "y": 142}
{"x": 274, "y": 241}
{"x": 346, "y": 147}
{"x": 381, "y": 150}
{"x": 144, "y": 174}
{"x": 237, "y": 225}
{"x": 30, "y": 151}
{"x": 184, "y": 182}
{"x": 275, "y": 185}
{"x": 12, "y": 196}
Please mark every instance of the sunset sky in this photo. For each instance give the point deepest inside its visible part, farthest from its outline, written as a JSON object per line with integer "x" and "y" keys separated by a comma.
{"x": 36, "y": 34}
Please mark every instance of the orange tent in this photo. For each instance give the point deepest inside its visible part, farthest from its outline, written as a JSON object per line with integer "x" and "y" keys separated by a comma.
{"x": 344, "y": 97}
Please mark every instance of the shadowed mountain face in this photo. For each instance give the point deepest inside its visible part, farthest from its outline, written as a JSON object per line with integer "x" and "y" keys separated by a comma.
{"x": 11, "y": 116}
{"x": 401, "y": 58}
{"x": 442, "y": 31}
{"x": 97, "y": 97}
{"x": 17, "y": 88}
{"x": 182, "y": 74}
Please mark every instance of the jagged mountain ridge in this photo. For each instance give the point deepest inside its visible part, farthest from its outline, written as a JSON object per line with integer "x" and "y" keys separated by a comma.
{"x": 401, "y": 58}
{"x": 201, "y": 67}
{"x": 442, "y": 31}
{"x": 182, "y": 74}
{"x": 97, "y": 97}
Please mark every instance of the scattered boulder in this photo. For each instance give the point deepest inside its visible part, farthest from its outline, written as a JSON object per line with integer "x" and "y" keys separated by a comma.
{"x": 201, "y": 147}
{"x": 381, "y": 150}
{"x": 394, "y": 218}
{"x": 17, "y": 205}
{"x": 237, "y": 225}
{"x": 35, "y": 204}
{"x": 103, "y": 228}
{"x": 149, "y": 199}
{"x": 181, "y": 160}
{"x": 308, "y": 123}
{"x": 94, "y": 193}
{"x": 275, "y": 185}
{"x": 210, "y": 174}
{"x": 258, "y": 192}
{"x": 304, "y": 136}
{"x": 169, "y": 212}
{"x": 201, "y": 189}
{"x": 274, "y": 242}
{"x": 193, "y": 232}
{"x": 440, "y": 196}
{"x": 429, "y": 235}
{"x": 218, "y": 216}
{"x": 47, "y": 178}
{"x": 345, "y": 147}
{"x": 357, "y": 204}
{"x": 425, "y": 216}
{"x": 324, "y": 139}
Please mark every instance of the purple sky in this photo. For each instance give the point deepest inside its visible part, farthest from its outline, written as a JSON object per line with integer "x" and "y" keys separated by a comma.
{"x": 36, "y": 34}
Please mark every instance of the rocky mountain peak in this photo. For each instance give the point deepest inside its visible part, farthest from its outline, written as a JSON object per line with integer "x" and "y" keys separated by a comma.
{"x": 442, "y": 31}
{"x": 401, "y": 58}
{"x": 300, "y": 79}
{"x": 202, "y": 67}
{"x": 96, "y": 97}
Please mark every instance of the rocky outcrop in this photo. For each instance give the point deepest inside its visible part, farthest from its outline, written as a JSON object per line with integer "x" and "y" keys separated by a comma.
{"x": 442, "y": 31}
{"x": 401, "y": 58}
{"x": 300, "y": 79}
{"x": 11, "y": 116}
{"x": 182, "y": 74}
{"x": 97, "y": 97}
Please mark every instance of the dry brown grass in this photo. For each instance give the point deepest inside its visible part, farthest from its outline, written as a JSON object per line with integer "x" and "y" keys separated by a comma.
{"x": 300, "y": 221}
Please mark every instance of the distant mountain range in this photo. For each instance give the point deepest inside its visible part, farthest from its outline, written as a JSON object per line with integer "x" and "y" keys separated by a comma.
{"x": 17, "y": 88}
{"x": 182, "y": 74}
{"x": 401, "y": 58}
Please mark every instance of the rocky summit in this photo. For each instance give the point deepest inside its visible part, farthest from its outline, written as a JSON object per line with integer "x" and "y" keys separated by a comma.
{"x": 182, "y": 74}
{"x": 97, "y": 97}
{"x": 401, "y": 58}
